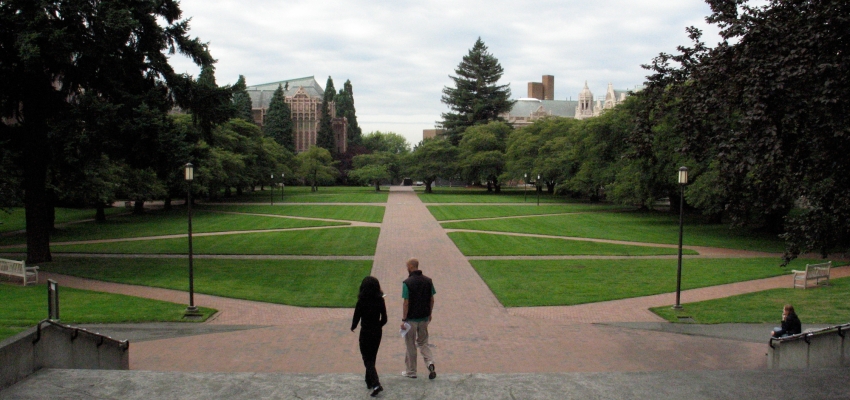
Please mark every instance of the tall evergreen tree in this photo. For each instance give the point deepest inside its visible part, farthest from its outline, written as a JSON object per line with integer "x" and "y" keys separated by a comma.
{"x": 345, "y": 108}
{"x": 210, "y": 104}
{"x": 325, "y": 135}
{"x": 278, "y": 124}
{"x": 52, "y": 51}
{"x": 475, "y": 99}
{"x": 242, "y": 101}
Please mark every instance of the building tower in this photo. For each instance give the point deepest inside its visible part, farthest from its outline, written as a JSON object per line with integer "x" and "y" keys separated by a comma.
{"x": 584, "y": 109}
{"x": 548, "y": 87}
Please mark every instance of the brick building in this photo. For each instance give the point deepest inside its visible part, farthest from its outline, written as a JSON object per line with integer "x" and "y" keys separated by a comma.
{"x": 304, "y": 97}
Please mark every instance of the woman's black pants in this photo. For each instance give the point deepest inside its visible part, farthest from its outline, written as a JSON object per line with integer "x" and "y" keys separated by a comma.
{"x": 369, "y": 343}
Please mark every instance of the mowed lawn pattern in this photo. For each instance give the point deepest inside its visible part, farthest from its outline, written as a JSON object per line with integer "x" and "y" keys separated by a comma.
{"x": 23, "y": 306}
{"x": 490, "y": 244}
{"x": 455, "y": 212}
{"x": 307, "y": 283}
{"x": 374, "y": 214}
{"x": 662, "y": 228}
{"x": 823, "y": 305}
{"x": 525, "y": 283}
{"x": 175, "y": 222}
{"x": 344, "y": 241}
{"x": 302, "y": 194}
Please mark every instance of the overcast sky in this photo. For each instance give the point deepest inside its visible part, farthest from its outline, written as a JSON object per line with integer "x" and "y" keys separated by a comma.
{"x": 399, "y": 54}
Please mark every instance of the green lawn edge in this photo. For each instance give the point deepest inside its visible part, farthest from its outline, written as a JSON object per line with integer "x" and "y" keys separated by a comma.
{"x": 821, "y": 305}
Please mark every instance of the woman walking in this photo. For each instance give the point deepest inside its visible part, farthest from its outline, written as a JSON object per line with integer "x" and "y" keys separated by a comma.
{"x": 372, "y": 311}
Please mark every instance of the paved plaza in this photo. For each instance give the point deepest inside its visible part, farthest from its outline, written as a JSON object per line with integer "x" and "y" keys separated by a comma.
{"x": 475, "y": 338}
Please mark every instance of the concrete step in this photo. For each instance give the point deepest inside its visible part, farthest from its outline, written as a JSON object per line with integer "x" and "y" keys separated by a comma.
{"x": 146, "y": 385}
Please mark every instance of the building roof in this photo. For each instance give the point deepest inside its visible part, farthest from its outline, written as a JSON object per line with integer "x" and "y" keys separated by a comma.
{"x": 261, "y": 94}
{"x": 559, "y": 108}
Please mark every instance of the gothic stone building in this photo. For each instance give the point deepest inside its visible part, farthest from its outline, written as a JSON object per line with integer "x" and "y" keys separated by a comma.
{"x": 541, "y": 103}
{"x": 304, "y": 97}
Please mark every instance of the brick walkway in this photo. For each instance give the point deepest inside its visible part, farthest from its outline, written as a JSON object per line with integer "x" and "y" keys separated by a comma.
{"x": 471, "y": 330}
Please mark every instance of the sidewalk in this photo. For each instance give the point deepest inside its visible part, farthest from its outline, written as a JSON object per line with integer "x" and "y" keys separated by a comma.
{"x": 472, "y": 332}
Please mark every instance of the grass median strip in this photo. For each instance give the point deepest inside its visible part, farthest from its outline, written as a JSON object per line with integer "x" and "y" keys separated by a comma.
{"x": 823, "y": 305}
{"x": 15, "y": 220}
{"x": 306, "y": 283}
{"x": 629, "y": 226}
{"x": 158, "y": 223}
{"x": 450, "y": 195}
{"x": 325, "y": 194}
{"x": 23, "y": 306}
{"x": 523, "y": 283}
{"x": 338, "y": 212}
{"x": 488, "y": 244}
{"x": 353, "y": 241}
{"x": 454, "y": 212}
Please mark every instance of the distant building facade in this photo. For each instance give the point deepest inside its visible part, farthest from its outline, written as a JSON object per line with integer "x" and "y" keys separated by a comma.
{"x": 541, "y": 103}
{"x": 304, "y": 97}
{"x": 432, "y": 133}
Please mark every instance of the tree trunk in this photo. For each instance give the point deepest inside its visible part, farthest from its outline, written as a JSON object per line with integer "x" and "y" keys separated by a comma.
{"x": 139, "y": 207}
{"x": 51, "y": 210}
{"x": 227, "y": 192}
{"x": 377, "y": 186}
{"x": 550, "y": 187}
{"x": 489, "y": 186}
{"x": 428, "y": 185}
{"x": 100, "y": 214}
{"x": 36, "y": 205}
{"x": 239, "y": 191}
{"x": 166, "y": 204}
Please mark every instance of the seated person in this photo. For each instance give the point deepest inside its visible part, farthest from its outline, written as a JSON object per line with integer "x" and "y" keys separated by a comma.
{"x": 790, "y": 323}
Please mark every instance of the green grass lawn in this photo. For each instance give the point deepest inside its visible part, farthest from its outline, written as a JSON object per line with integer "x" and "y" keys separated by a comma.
{"x": 174, "y": 222}
{"x": 307, "y": 283}
{"x": 480, "y": 195}
{"x": 566, "y": 282}
{"x": 302, "y": 194}
{"x": 487, "y": 244}
{"x": 445, "y": 213}
{"x": 653, "y": 227}
{"x": 824, "y": 305}
{"x": 343, "y": 212}
{"x": 355, "y": 241}
{"x": 16, "y": 220}
{"x": 23, "y": 306}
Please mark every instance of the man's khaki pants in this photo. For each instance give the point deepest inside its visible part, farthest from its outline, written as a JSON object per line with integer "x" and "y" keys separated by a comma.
{"x": 417, "y": 337}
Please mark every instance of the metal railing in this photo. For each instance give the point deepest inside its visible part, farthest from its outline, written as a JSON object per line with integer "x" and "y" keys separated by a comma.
{"x": 122, "y": 344}
{"x": 807, "y": 336}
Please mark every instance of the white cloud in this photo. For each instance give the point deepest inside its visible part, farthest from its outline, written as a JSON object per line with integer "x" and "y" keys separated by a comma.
{"x": 399, "y": 54}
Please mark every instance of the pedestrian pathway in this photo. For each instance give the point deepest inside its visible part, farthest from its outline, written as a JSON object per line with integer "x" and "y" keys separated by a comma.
{"x": 472, "y": 332}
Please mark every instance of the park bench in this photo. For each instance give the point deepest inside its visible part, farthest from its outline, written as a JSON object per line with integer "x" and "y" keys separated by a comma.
{"x": 814, "y": 272}
{"x": 19, "y": 269}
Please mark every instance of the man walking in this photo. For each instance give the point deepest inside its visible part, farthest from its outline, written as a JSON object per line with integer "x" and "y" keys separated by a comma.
{"x": 418, "y": 294}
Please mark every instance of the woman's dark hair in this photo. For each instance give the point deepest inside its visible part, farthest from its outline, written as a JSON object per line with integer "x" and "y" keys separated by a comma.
{"x": 370, "y": 288}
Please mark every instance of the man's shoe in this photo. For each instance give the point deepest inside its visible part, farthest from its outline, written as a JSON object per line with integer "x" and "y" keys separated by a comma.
{"x": 409, "y": 375}
{"x": 378, "y": 389}
{"x": 433, "y": 373}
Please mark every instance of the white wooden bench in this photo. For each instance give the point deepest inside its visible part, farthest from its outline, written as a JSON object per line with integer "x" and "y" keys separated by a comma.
{"x": 19, "y": 269}
{"x": 815, "y": 272}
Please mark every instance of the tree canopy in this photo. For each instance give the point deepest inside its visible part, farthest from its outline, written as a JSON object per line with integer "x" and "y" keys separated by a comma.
{"x": 53, "y": 54}
{"x": 476, "y": 98}
{"x": 325, "y": 134}
{"x": 763, "y": 115}
{"x": 242, "y": 101}
{"x": 278, "y": 123}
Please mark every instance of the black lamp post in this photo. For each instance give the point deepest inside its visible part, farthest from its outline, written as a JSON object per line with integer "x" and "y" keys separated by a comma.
{"x": 271, "y": 189}
{"x": 524, "y": 187}
{"x": 537, "y": 186}
{"x": 191, "y": 311}
{"x": 282, "y": 184}
{"x": 683, "y": 180}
